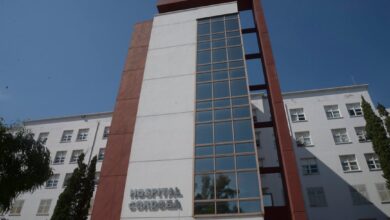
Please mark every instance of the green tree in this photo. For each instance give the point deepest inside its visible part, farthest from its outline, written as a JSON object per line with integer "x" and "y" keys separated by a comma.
{"x": 383, "y": 113}
{"x": 377, "y": 133}
{"x": 74, "y": 202}
{"x": 24, "y": 164}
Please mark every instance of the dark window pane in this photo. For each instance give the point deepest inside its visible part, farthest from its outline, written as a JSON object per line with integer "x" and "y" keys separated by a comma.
{"x": 238, "y": 87}
{"x": 223, "y": 132}
{"x": 204, "y": 165}
{"x": 204, "y": 186}
{"x": 220, "y": 75}
{"x": 235, "y": 53}
{"x": 204, "y": 134}
{"x": 224, "y": 163}
{"x": 248, "y": 185}
{"x": 219, "y": 43}
{"x": 204, "y": 38}
{"x": 203, "y": 105}
{"x": 222, "y": 103}
{"x": 203, "y": 91}
{"x": 234, "y": 41}
{"x": 232, "y": 24}
{"x": 250, "y": 206}
{"x": 204, "y": 20}
{"x": 236, "y": 64}
{"x": 235, "y": 73}
{"x": 225, "y": 184}
{"x": 203, "y": 28}
{"x": 204, "y": 45}
{"x": 222, "y": 114}
{"x": 203, "y": 68}
{"x": 204, "y": 116}
{"x": 241, "y": 112}
{"x": 217, "y": 26}
{"x": 245, "y": 147}
{"x": 219, "y": 55}
{"x": 240, "y": 101}
{"x": 224, "y": 149}
{"x": 218, "y": 36}
{"x": 246, "y": 162}
{"x": 227, "y": 207}
{"x": 204, "y": 57}
{"x": 221, "y": 89}
{"x": 204, "y": 208}
{"x": 219, "y": 66}
{"x": 233, "y": 33}
{"x": 232, "y": 16}
{"x": 243, "y": 130}
{"x": 204, "y": 151}
{"x": 202, "y": 77}
{"x": 219, "y": 18}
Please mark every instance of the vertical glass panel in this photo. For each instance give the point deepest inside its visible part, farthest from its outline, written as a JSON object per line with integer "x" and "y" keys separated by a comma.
{"x": 204, "y": 38}
{"x": 203, "y": 68}
{"x": 219, "y": 55}
{"x": 225, "y": 185}
{"x": 232, "y": 24}
{"x": 234, "y": 41}
{"x": 221, "y": 89}
{"x": 234, "y": 64}
{"x": 248, "y": 185}
{"x": 219, "y": 43}
{"x": 246, "y": 162}
{"x": 233, "y": 34}
{"x": 204, "y": 45}
{"x": 218, "y": 36}
{"x": 204, "y": 116}
{"x": 219, "y": 18}
{"x": 217, "y": 26}
{"x": 222, "y": 114}
{"x": 242, "y": 112}
{"x": 250, "y": 206}
{"x": 204, "y": 186}
{"x": 203, "y": 28}
{"x": 238, "y": 87}
{"x": 232, "y": 16}
{"x": 223, "y": 132}
{"x": 203, "y": 91}
{"x": 224, "y": 163}
{"x": 235, "y": 53}
{"x": 204, "y": 151}
{"x": 203, "y": 105}
{"x": 227, "y": 207}
{"x": 240, "y": 101}
{"x": 224, "y": 149}
{"x": 244, "y": 147}
{"x": 220, "y": 75}
{"x": 221, "y": 103}
{"x": 243, "y": 130}
{"x": 204, "y": 134}
{"x": 204, "y": 57}
{"x": 203, "y": 77}
{"x": 204, "y": 208}
{"x": 219, "y": 66}
{"x": 236, "y": 73}
{"x": 204, "y": 165}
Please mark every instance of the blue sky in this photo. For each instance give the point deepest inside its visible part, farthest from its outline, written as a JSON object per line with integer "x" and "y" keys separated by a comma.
{"x": 66, "y": 57}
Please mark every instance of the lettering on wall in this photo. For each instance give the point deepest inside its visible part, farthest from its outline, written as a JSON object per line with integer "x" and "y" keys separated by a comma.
{"x": 155, "y": 199}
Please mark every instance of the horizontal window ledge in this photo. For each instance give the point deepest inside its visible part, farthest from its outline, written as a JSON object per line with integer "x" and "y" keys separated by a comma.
{"x": 228, "y": 215}
{"x": 385, "y": 202}
{"x": 356, "y": 116}
{"x": 350, "y": 142}
{"x": 46, "y": 214}
{"x": 311, "y": 174}
{"x": 299, "y": 121}
{"x": 335, "y": 118}
{"x": 63, "y": 142}
{"x": 303, "y": 146}
{"x": 54, "y": 187}
{"x": 353, "y": 171}
{"x": 378, "y": 169}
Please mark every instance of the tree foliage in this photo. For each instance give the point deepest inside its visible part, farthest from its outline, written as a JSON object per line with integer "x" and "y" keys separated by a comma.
{"x": 74, "y": 201}
{"x": 376, "y": 131}
{"x": 24, "y": 164}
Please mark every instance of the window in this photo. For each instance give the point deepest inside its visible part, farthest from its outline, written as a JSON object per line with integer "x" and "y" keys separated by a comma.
{"x": 384, "y": 192}
{"x": 75, "y": 156}
{"x": 66, "y": 179}
{"x": 354, "y": 109}
{"x": 309, "y": 166}
{"x": 340, "y": 136}
{"x": 349, "y": 163}
{"x": 44, "y": 207}
{"x": 83, "y": 134}
{"x": 101, "y": 154}
{"x": 43, "y": 137}
{"x": 303, "y": 139}
{"x": 60, "y": 157}
{"x": 53, "y": 181}
{"x": 372, "y": 161}
{"x": 106, "y": 132}
{"x": 67, "y": 136}
{"x": 297, "y": 115}
{"x": 16, "y": 207}
{"x": 359, "y": 195}
{"x": 267, "y": 198}
{"x": 332, "y": 111}
{"x": 362, "y": 134}
{"x": 316, "y": 197}
{"x": 97, "y": 178}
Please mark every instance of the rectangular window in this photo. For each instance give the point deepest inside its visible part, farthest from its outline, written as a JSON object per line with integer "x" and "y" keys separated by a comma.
{"x": 101, "y": 154}
{"x": 297, "y": 115}
{"x": 44, "y": 207}
{"x": 16, "y": 207}
{"x": 354, "y": 109}
{"x": 362, "y": 134}
{"x": 66, "y": 136}
{"x": 316, "y": 197}
{"x": 384, "y": 192}
{"x": 53, "y": 181}
{"x": 373, "y": 161}
{"x": 349, "y": 163}
{"x": 303, "y": 139}
{"x": 66, "y": 179}
{"x": 332, "y": 111}
{"x": 106, "y": 132}
{"x": 309, "y": 166}
{"x": 82, "y": 135}
{"x": 340, "y": 136}
{"x": 359, "y": 195}
{"x": 42, "y": 137}
{"x": 60, "y": 157}
{"x": 75, "y": 156}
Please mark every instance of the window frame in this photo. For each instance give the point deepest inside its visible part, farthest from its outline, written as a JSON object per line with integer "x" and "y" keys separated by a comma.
{"x": 301, "y": 138}
{"x": 372, "y": 157}
{"x": 44, "y": 207}
{"x": 298, "y": 115}
{"x": 339, "y": 134}
{"x": 52, "y": 182}
{"x": 82, "y": 134}
{"x": 350, "y": 160}
{"x": 332, "y": 109}
{"x": 316, "y": 197}
{"x": 307, "y": 166}
{"x": 59, "y": 159}
{"x": 356, "y": 108}
{"x": 73, "y": 158}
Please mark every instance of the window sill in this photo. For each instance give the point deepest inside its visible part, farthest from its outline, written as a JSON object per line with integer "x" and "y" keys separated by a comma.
{"x": 356, "y": 116}
{"x": 299, "y": 121}
{"x": 46, "y": 214}
{"x": 368, "y": 141}
{"x": 303, "y": 146}
{"x": 350, "y": 142}
{"x": 378, "y": 169}
{"x": 311, "y": 174}
{"x": 335, "y": 118}
{"x": 72, "y": 162}
{"x": 385, "y": 202}
{"x": 57, "y": 163}
{"x": 52, "y": 187}
{"x": 63, "y": 142}
{"x": 80, "y": 140}
{"x": 14, "y": 214}
{"x": 353, "y": 171}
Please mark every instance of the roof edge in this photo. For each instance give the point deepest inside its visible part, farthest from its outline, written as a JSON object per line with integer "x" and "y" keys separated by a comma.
{"x": 69, "y": 117}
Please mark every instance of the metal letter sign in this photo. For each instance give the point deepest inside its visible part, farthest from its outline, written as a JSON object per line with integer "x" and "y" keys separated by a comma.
{"x": 156, "y": 199}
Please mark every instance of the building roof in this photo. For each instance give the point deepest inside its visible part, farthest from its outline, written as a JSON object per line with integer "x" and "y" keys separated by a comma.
{"x": 69, "y": 118}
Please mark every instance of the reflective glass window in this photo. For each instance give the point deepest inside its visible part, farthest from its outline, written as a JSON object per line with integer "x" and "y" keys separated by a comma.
{"x": 203, "y": 77}
{"x": 234, "y": 64}
{"x": 232, "y": 33}
{"x": 240, "y": 101}
{"x": 204, "y": 151}
{"x": 236, "y": 73}
{"x": 204, "y": 45}
{"x": 203, "y": 91}
{"x": 204, "y": 38}
{"x": 224, "y": 163}
{"x": 244, "y": 148}
{"x": 242, "y": 112}
{"x": 204, "y": 116}
{"x": 219, "y": 66}
{"x": 223, "y": 132}
{"x": 224, "y": 149}
{"x": 220, "y": 75}
{"x": 250, "y": 206}
{"x": 204, "y": 186}
{"x": 202, "y": 68}
{"x": 203, "y": 208}
{"x": 204, "y": 165}
{"x": 248, "y": 185}
{"x": 225, "y": 184}
{"x": 235, "y": 53}
{"x": 238, "y": 87}
{"x": 222, "y": 114}
{"x": 203, "y": 105}
{"x": 243, "y": 130}
{"x": 246, "y": 162}
{"x": 232, "y": 24}
{"x": 219, "y": 55}
{"x": 221, "y": 103}
{"x": 217, "y": 26}
{"x": 221, "y": 89}
{"x": 234, "y": 41}
{"x": 203, "y": 28}
{"x": 204, "y": 57}
{"x": 204, "y": 134}
{"x": 219, "y": 43}
{"x": 227, "y": 207}
{"x": 218, "y": 36}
